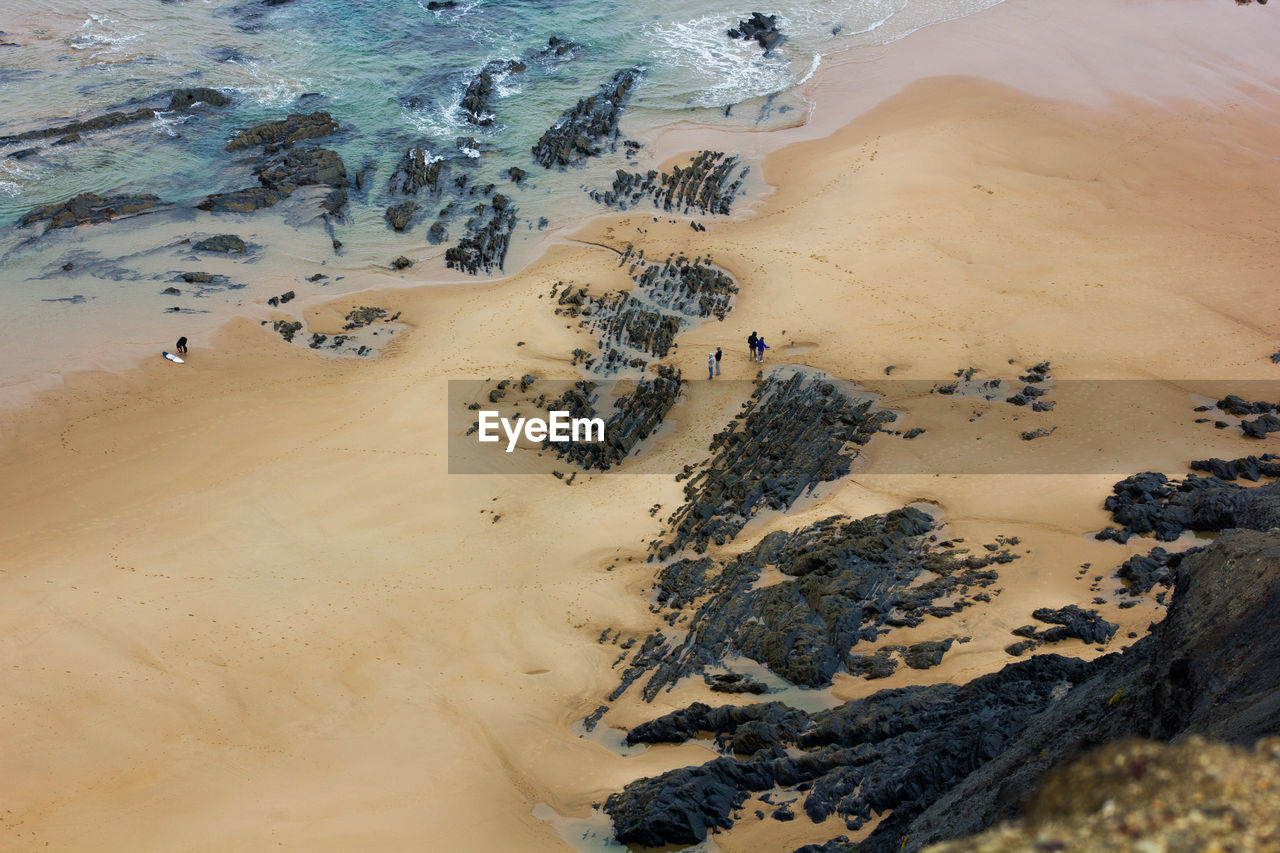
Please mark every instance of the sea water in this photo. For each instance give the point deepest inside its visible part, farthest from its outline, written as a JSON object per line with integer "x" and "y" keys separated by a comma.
{"x": 392, "y": 73}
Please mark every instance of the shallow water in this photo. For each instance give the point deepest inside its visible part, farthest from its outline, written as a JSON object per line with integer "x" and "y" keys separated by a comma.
{"x": 392, "y": 73}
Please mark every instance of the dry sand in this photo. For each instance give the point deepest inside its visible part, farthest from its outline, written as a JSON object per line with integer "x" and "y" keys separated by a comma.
{"x": 246, "y": 606}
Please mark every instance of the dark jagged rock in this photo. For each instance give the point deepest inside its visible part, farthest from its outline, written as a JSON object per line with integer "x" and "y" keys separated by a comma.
{"x": 927, "y": 654}
{"x": 1151, "y": 503}
{"x": 287, "y": 329}
{"x": 1259, "y": 427}
{"x": 632, "y": 326}
{"x": 793, "y": 434}
{"x": 681, "y": 582}
{"x": 895, "y": 751}
{"x": 441, "y": 5}
{"x": 556, "y": 48}
{"x": 417, "y": 169}
{"x": 487, "y": 239}
{"x": 708, "y": 185}
{"x": 475, "y": 100}
{"x": 839, "y": 844}
{"x": 436, "y": 233}
{"x": 88, "y": 209}
{"x": 1074, "y": 622}
{"x": 242, "y": 201}
{"x": 302, "y": 167}
{"x": 196, "y": 277}
{"x": 1210, "y": 668}
{"x": 697, "y": 288}
{"x": 401, "y": 263}
{"x": 280, "y": 175}
{"x": 180, "y": 100}
{"x": 760, "y": 28}
{"x": 734, "y": 682}
{"x": 398, "y": 215}
{"x": 516, "y": 174}
{"x": 284, "y": 132}
{"x": 1234, "y": 405}
{"x": 1252, "y": 468}
{"x": 1142, "y": 573}
{"x": 588, "y": 129}
{"x": 847, "y": 582}
{"x": 635, "y": 417}
{"x": 358, "y": 318}
{"x": 881, "y": 664}
{"x": 227, "y": 244}
{"x": 625, "y": 321}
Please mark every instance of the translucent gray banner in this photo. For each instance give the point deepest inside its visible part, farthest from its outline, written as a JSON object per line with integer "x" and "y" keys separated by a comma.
{"x": 957, "y": 425}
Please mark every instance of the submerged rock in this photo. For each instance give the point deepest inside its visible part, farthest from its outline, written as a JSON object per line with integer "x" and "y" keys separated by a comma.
{"x": 227, "y": 244}
{"x": 180, "y": 100}
{"x": 87, "y": 209}
{"x": 284, "y": 132}
{"x": 588, "y": 129}
{"x": 398, "y": 215}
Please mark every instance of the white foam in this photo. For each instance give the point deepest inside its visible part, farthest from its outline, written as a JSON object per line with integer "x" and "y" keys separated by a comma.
{"x": 720, "y": 70}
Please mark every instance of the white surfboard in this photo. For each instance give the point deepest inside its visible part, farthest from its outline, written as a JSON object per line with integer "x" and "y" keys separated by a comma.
{"x": 173, "y": 358}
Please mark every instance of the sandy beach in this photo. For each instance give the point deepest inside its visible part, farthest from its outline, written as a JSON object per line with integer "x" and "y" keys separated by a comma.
{"x": 246, "y": 605}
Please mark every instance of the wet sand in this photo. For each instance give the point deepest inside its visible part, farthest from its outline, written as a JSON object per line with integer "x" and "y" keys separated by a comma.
{"x": 246, "y": 603}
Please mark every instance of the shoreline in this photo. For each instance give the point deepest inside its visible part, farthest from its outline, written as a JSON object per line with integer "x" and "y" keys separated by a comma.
{"x": 257, "y": 578}
{"x": 1006, "y": 29}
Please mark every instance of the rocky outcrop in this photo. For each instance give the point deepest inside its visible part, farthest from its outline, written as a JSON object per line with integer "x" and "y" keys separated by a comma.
{"x": 484, "y": 247}
{"x": 588, "y": 129}
{"x": 633, "y": 326}
{"x": 759, "y": 28}
{"x": 398, "y": 215}
{"x": 694, "y": 288}
{"x": 227, "y": 244}
{"x": 1211, "y": 668}
{"x": 943, "y": 761}
{"x": 475, "y": 99}
{"x": 795, "y": 432}
{"x": 417, "y": 169}
{"x": 895, "y": 751}
{"x": 1070, "y": 622}
{"x": 845, "y": 582}
{"x": 635, "y": 416}
{"x": 88, "y": 209}
{"x": 1152, "y": 504}
{"x": 707, "y": 185}
{"x": 625, "y": 322}
{"x": 282, "y": 168}
{"x": 283, "y": 132}
{"x": 180, "y": 100}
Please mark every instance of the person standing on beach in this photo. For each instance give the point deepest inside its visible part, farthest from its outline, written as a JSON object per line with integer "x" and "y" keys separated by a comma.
{"x": 718, "y": 361}
{"x": 711, "y": 364}
{"x": 181, "y": 345}
{"x": 751, "y": 345}
{"x": 761, "y": 346}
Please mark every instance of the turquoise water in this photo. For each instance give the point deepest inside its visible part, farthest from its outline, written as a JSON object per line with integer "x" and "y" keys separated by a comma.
{"x": 392, "y": 74}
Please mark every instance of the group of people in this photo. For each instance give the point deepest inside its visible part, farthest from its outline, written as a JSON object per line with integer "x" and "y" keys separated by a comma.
{"x": 755, "y": 351}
